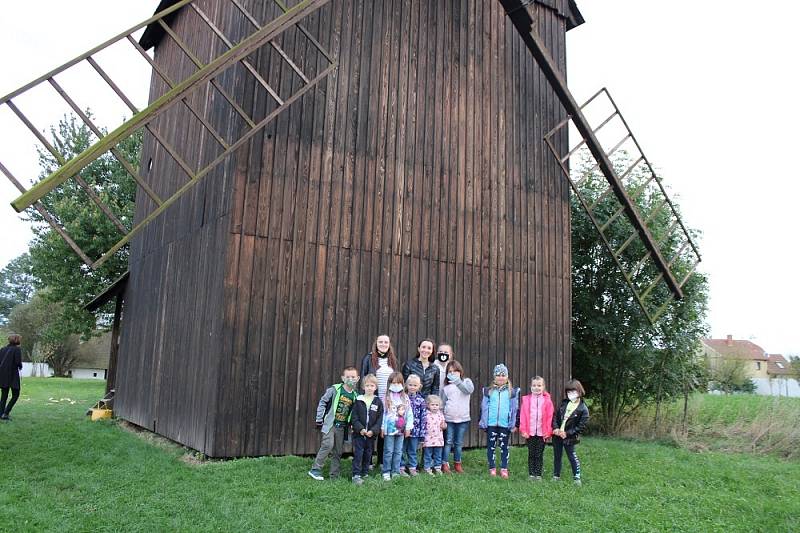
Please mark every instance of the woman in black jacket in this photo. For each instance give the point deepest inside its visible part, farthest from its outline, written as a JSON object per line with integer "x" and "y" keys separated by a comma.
{"x": 424, "y": 367}
{"x": 10, "y": 365}
{"x": 569, "y": 421}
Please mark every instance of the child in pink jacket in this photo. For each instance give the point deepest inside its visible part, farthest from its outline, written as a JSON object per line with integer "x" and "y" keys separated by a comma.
{"x": 535, "y": 424}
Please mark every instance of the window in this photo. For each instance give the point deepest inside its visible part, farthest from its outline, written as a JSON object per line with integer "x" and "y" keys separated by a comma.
{"x": 94, "y": 374}
{"x": 780, "y": 365}
{"x": 758, "y": 365}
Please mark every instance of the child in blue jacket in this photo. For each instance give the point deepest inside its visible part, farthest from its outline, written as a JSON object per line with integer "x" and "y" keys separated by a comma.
{"x": 499, "y": 417}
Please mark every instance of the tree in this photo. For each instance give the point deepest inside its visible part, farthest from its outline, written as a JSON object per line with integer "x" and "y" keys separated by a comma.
{"x": 31, "y": 320}
{"x": 794, "y": 366}
{"x": 53, "y": 263}
{"x": 626, "y": 362}
{"x": 730, "y": 375}
{"x": 16, "y": 285}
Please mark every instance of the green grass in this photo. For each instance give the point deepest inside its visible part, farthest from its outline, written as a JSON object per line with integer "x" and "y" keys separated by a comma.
{"x": 761, "y": 425}
{"x": 62, "y": 472}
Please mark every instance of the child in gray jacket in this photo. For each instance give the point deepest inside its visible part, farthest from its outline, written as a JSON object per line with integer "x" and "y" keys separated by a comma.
{"x": 333, "y": 420}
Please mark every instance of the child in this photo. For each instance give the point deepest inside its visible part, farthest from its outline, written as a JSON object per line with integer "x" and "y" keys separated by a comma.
{"x": 411, "y": 443}
{"x": 455, "y": 398}
{"x": 568, "y": 423}
{"x": 333, "y": 419}
{"x": 398, "y": 419}
{"x": 535, "y": 424}
{"x": 434, "y": 442}
{"x": 499, "y": 417}
{"x": 366, "y": 421}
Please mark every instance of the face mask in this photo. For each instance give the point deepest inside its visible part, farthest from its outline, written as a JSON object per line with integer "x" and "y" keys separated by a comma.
{"x": 443, "y": 357}
{"x": 534, "y": 391}
{"x": 396, "y": 387}
{"x": 350, "y": 382}
{"x": 572, "y": 395}
{"x": 453, "y": 376}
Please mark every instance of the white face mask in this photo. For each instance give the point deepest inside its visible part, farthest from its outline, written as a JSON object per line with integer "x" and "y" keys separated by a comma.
{"x": 396, "y": 387}
{"x": 572, "y": 395}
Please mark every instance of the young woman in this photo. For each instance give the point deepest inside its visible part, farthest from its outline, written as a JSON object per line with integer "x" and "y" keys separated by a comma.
{"x": 424, "y": 368}
{"x": 380, "y": 362}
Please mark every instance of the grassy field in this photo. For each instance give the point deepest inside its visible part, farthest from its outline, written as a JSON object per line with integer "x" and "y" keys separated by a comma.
{"x": 61, "y": 472}
{"x": 739, "y": 423}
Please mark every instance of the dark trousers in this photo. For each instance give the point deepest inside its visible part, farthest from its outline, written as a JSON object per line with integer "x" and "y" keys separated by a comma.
{"x": 535, "y": 455}
{"x": 497, "y": 436}
{"x": 558, "y": 447}
{"x": 6, "y": 409}
{"x": 379, "y": 450}
{"x": 362, "y": 454}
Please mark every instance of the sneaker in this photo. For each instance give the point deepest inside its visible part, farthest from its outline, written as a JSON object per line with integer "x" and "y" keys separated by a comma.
{"x": 535, "y": 478}
{"x": 457, "y": 467}
{"x": 556, "y": 478}
{"x": 357, "y": 480}
{"x": 438, "y": 470}
{"x": 578, "y": 481}
{"x": 504, "y": 473}
{"x": 445, "y": 468}
{"x": 402, "y": 473}
{"x": 429, "y": 471}
{"x": 493, "y": 472}
{"x": 316, "y": 475}
{"x": 387, "y": 476}
{"x": 412, "y": 472}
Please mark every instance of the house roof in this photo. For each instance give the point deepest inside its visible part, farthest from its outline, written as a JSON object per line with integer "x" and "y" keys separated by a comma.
{"x": 94, "y": 353}
{"x": 736, "y": 349}
{"x": 778, "y": 365}
{"x": 111, "y": 291}
{"x": 155, "y": 32}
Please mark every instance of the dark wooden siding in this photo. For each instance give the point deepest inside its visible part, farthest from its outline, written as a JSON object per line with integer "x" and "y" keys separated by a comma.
{"x": 410, "y": 194}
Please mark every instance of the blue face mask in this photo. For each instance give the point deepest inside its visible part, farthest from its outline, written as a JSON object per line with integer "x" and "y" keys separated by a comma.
{"x": 453, "y": 376}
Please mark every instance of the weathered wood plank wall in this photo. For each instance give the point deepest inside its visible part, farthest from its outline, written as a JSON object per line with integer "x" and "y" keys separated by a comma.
{"x": 410, "y": 194}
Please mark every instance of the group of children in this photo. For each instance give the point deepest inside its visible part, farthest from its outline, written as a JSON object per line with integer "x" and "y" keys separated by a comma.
{"x": 406, "y": 419}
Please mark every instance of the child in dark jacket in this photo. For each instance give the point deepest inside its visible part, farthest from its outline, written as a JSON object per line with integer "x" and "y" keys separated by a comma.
{"x": 366, "y": 421}
{"x": 333, "y": 420}
{"x": 569, "y": 421}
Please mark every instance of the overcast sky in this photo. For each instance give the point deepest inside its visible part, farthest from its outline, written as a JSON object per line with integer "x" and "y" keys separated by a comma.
{"x": 708, "y": 87}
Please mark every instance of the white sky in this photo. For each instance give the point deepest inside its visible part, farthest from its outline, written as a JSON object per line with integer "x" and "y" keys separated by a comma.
{"x": 708, "y": 88}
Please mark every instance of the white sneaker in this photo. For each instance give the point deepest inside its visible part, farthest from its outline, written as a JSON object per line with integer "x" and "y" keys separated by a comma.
{"x": 315, "y": 475}
{"x": 387, "y": 476}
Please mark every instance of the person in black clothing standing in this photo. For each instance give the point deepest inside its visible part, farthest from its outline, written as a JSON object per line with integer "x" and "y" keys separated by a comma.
{"x": 569, "y": 421}
{"x": 10, "y": 365}
{"x": 424, "y": 368}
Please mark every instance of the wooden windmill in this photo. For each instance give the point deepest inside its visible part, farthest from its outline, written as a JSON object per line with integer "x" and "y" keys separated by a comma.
{"x": 318, "y": 172}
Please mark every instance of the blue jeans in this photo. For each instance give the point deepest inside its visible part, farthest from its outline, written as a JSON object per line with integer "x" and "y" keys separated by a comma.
{"x": 392, "y": 451}
{"x": 410, "y": 446}
{"x": 433, "y": 457}
{"x": 455, "y": 440}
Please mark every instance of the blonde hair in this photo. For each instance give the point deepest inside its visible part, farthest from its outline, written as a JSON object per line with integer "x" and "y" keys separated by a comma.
{"x": 413, "y": 377}
{"x": 493, "y": 384}
{"x": 433, "y": 399}
{"x": 539, "y": 378}
{"x": 369, "y": 378}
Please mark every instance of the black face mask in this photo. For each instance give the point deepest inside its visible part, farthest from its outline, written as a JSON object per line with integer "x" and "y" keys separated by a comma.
{"x": 443, "y": 357}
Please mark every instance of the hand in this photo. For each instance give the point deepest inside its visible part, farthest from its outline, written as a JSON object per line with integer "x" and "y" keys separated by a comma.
{"x": 444, "y": 425}
{"x": 548, "y": 439}
{"x": 513, "y": 430}
{"x": 408, "y": 433}
{"x": 383, "y": 434}
{"x": 524, "y": 435}
{"x": 363, "y": 432}
{"x": 369, "y": 434}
